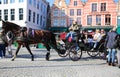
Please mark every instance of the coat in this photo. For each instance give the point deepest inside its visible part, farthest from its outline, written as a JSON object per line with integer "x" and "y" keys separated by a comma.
{"x": 110, "y": 39}
{"x": 74, "y": 27}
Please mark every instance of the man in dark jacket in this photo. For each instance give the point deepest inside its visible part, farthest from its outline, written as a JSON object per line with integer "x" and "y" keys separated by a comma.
{"x": 110, "y": 42}
{"x": 117, "y": 46}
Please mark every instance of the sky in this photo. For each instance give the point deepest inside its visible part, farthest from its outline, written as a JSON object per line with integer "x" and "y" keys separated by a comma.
{"x": 67, "y": 1}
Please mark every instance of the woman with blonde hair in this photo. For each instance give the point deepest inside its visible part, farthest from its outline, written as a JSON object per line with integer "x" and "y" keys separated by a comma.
{"x": 96, "y": 38}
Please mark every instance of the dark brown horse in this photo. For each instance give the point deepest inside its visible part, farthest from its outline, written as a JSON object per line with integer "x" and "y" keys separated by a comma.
{"x": 21, "y": 36}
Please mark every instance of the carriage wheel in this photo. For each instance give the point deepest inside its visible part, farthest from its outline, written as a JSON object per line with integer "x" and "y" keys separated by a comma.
{"x": 65, "y": 54}
{"x": 74, "y": 54}
{"x": 93, "y": 53}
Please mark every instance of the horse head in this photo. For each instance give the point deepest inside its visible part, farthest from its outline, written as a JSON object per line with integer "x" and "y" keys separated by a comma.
{"x": 9, "y": 30}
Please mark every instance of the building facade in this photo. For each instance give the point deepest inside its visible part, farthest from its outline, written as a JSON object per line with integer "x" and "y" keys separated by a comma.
{"x": 93, "y": 13}
{"x": 30, "y": 13}
{"x": 100, "y": 13}
{"x": 59, "y": 13}
{"x": 75, "y": 12}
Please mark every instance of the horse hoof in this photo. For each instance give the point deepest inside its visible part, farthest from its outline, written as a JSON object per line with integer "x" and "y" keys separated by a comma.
{"x": 47, "y": 56}
{"x": 32, "y": 59}
{"x": 12, "y": 60}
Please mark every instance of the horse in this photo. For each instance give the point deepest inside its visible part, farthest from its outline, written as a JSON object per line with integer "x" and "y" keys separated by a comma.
{"x": 21, "y": 36}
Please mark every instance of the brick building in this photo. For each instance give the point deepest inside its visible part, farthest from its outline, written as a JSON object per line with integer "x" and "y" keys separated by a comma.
{"x": 59, "y": 13}
{"x": 93, "y": 13}
{"x": 100, "y": 13}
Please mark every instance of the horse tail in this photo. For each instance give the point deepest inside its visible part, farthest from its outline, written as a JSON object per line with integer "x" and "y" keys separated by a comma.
{"x": 53, "y": 40}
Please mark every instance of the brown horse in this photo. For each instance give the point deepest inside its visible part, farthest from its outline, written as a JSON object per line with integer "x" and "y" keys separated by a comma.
{"x": 21, "y": 36}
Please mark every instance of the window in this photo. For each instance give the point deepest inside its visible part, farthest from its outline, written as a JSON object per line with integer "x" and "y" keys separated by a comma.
{"x": 118, "y": 20}
{"x": 12, "y": 1}
{"x": 56, "y": 22}
{"x": 0, "y": 15}
{"x": 94, "y": 7}
{"x": 29, "y": 15}
{"x": 33, "y": 17}
{"x": 55, "y": 12}
{"x": 5, "y": 14}
{"x": 30, "y": 2}
{"x": 62, "y": 12}
{"x": 62, "y": 22}
{"x": 75, "y": 3}
{"x": 5, "y": 1}
{"x": 41, "y": 20}
{"x": 98, "y": 20}
{"x": 89, "y": 20}
{"x": 103, "y": 6}
{"x": 38, "y": 5}
{"x": 79, "y": 20}
{"x": 20, "y": 13}
{"x": 12, "y": 12}
{"x": 34, "y": 3}
{"x": 107, "y": 19}
{"x": 78, "y": 12}
{"x": 37, "y": 18}
{"x": 0, "y": 1}
{"x": 20, "y": 1}
{"x": 71, "y": 12}
{"x": 70, "y": 21}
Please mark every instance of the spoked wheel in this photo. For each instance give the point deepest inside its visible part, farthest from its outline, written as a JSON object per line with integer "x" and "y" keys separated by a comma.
{"x": 65, "y": 54}
{"x": 74, "y": 53}
{"x": 93, "y": 53}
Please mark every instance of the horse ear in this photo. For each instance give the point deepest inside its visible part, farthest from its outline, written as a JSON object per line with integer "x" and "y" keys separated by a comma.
{"x": 2, "y": 21}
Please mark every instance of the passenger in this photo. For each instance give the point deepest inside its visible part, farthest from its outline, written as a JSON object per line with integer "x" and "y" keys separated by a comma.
{"x": 103, "y": 35}
{"x": 96, "y": 38}
{"x": 102, "y": 32}
{"x": 110, "y": 41}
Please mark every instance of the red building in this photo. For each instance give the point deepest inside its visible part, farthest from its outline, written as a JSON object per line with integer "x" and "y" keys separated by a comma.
{"x": 93, "y": 13}
{"x": 100, "y": 13}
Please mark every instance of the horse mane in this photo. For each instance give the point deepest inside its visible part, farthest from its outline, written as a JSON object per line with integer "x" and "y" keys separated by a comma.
{"x": 7, "y": 24}
{"x": 12, "y": 24}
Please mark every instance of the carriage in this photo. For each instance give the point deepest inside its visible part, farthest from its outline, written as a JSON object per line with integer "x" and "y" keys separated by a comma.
{"x": 76, "y": 48}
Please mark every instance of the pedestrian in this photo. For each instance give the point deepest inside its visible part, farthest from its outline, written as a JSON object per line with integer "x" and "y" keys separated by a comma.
{"x": 117, "y": 46}
{"x": 2, "y": 47}
{"x": 109, "y": 43}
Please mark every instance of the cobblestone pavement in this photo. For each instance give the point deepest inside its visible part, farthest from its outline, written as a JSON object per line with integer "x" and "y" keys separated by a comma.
{"x": 56, "y": 67}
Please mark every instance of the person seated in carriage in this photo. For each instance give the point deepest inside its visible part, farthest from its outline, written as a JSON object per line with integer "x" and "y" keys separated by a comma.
{"x": 96, "y": 38}
{"x": 73, "y": 34}
{"x": 73, "y": 29}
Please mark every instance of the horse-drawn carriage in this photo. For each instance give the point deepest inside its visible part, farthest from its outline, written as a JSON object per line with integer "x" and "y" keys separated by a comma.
{"x": 48, "y": 40}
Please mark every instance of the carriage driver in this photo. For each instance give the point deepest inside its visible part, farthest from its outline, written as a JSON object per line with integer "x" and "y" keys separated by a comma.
{"x": 74, "y": 26}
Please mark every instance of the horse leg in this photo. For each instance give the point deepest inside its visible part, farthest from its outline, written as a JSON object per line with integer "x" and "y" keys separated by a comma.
{"x": 28, "y": 48}
{"x": 19, "y": 45}
{"x": 48, "y": 52}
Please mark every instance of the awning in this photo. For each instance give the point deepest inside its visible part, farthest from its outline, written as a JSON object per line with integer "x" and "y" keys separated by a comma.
{"x": 97, "y": 27}
{"x": 58, "y": 29}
